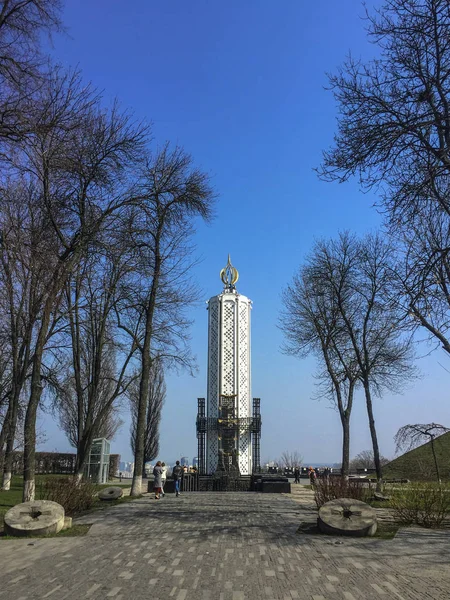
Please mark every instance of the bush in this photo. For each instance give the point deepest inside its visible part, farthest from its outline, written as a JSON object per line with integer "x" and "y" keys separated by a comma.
{"x": 338, "y": 487}
{"x": 425, "y": 504}
{"x": 75, "y": 496}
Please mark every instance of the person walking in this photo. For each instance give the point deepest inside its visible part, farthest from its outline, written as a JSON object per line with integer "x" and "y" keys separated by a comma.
{"x": 157, "y": 483}
{"x": 312, "y": 476}
{"x": 296, "y": 475}
{"x": 177, "y": 473}
{"x": 163, "y": 477}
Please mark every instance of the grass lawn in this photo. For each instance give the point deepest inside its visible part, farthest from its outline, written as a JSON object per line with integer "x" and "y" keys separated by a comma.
{"x": 114, "y": 484}
{"x": 386, "y": 531}
{"x": 418, "y": 464}
{"x": 74, "y": 531}
{"x": 14, "y": 496}
{"x": 11, "y": 498}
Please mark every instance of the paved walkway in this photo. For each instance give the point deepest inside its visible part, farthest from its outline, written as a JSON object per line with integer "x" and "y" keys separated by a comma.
{"x": 222, "y": 547}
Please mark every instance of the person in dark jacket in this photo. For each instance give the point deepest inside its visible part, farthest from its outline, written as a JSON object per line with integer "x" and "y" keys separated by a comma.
{"x": 177, "y": 474}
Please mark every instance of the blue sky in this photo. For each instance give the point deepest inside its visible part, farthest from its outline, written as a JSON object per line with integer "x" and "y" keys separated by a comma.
{"x": 241, "y": 86}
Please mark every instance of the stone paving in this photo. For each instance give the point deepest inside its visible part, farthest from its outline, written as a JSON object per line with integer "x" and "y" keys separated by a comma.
{"x": 229, "y": 546}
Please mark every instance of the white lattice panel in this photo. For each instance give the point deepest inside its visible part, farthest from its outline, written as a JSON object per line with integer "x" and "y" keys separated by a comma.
{"x": 212, "y": 452}
{"x": 228, "y": 348}
{"x": 244, "y": 454}
{"x": 213, "y": 360}
{"x": 244, "y": 358}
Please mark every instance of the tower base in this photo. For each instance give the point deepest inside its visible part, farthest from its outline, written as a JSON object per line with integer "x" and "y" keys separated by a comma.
{"x": 223, "y": 481}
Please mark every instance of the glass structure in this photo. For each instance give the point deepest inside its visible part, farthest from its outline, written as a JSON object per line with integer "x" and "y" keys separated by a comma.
{"x": 97, "y": 467}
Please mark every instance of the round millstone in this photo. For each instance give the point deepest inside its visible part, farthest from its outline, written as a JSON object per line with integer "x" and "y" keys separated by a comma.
{"x": 39, "y": 517}
{"x": 111, "y": 493}
{"x": 345, "y": 516}
{"x": 381, "y": 497}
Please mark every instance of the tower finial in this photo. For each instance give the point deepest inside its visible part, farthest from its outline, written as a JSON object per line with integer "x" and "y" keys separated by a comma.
{"x": 229, "y": 274}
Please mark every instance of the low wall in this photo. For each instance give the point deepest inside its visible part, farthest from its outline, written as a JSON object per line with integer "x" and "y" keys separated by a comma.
{"x": 192, "y": 482}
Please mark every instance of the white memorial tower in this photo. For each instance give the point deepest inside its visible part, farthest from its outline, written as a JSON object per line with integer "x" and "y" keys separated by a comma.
{"x": 229, "y": 432}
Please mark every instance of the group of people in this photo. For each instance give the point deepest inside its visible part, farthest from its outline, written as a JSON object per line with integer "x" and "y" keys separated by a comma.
{"x": 313, "y": 474}
{"x": 160, "y": 476}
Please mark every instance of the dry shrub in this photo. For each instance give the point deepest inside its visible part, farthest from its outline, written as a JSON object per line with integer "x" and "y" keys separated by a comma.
{"x": 425, "y": 504}
{"x": 338, "y": 487}
{"x": 75, "y": 496}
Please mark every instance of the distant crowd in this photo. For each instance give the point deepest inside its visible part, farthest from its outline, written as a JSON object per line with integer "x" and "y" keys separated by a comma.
{"x": 312, "y": 473}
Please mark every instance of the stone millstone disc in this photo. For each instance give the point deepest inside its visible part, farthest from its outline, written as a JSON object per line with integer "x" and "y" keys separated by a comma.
{"x": 40, "y": 517}
{"x": 111, "y": 493}
{"x": 346, "y": 516}
{"x": 381, "y": 497}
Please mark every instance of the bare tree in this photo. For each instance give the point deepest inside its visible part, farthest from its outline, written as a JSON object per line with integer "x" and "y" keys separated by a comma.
{"x": 22, "y": 24}
{"x": 99, "y": 363}
{"x": 375, "y": 325}
{"x": 24, "y": 261}
{"x": 311, "y": 323}
{"x": 22, "y": 65}
{"x": 290, "y": 460}
{"x": 394, "y": 120}
{"x": 356, "y": 277}
{"x": 174, "y": 194}
{"x": 366, "y": 460}
{"x": 78, "y": 157}
{"x": 411, "y": 436}
{"x": 393, "y": 132}
{"x": 423, "y": 276}
{"x": 103, "y": 427}
{"x": 156, "y": 397}
{"x": 4, "y": 389}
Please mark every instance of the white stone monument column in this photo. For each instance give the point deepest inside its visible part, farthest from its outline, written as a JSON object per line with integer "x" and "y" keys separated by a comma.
{"x": 229, "y": 377}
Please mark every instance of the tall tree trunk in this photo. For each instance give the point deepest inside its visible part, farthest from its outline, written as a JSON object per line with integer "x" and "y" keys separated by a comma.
{"x": 373, "y": 433}
{"x": 11, "y": 434}
{"x": 83, "y": 449}
{"x": 345, "y": 446}
{"x": 74, "y": 322}
{"x": 29, "y": 454}
{"x": 436, "y": 466}
{"x": 67, "y": 261}
{"x": 345, "y": 408}
{"x": 3, "y": 440}
{"x": 136, "y": 487}
{"x": 345, "y": 420}
{"x": 139, "y": 448}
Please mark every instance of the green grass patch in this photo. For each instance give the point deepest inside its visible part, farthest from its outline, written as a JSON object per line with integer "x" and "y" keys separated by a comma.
{"x": 386, "y": 531}
{"x": 14, "y": 495}
{"x": 102, "y": 504}
{"x": 114, "y": 484}
{"x": 11, "y": 498}
{"x": 105, "y": 504}
{"x": 418, "y": 464}
{"x": 74, "y": 531}
{"x": 379, "y": 503}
